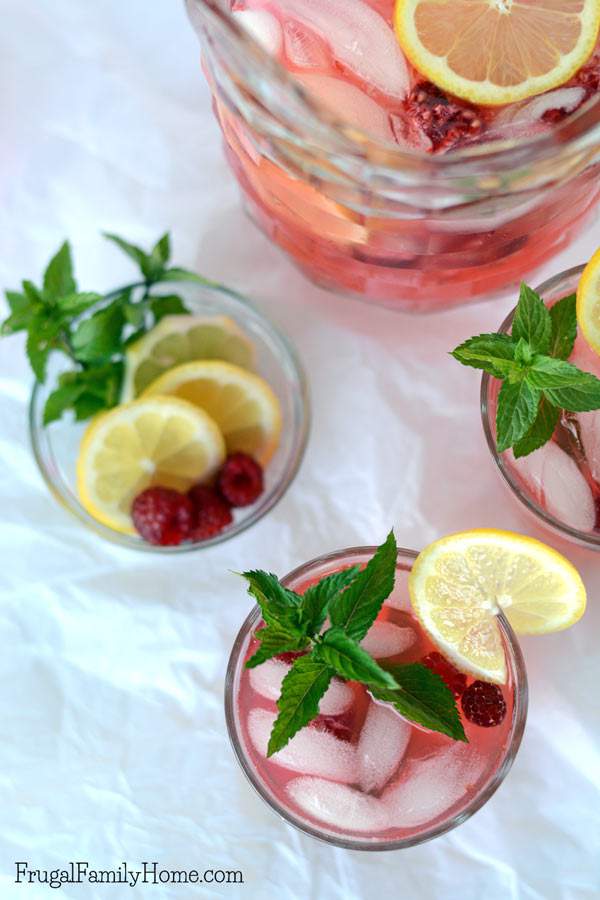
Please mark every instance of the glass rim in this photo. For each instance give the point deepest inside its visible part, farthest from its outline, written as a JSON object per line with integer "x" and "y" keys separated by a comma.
{"x": 520, "y": 704}
{"x": 42, "y": 452}
{"x": 584, "y": 538}
{"x": 582, "y": 125}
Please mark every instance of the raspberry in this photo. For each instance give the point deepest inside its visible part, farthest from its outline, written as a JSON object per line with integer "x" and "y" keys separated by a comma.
{"x": 211, "y": 513}
{"x": 162, "y": 516}
{"x": 289, "y": 656}
{"x": 589, "y": 77}
{"x": 446, "y": 122}
{"x": 240, "y": 480}
{"x": 455, "y": 680}
{"x": 484, "y": 704}
{"x": 334, "y": 726}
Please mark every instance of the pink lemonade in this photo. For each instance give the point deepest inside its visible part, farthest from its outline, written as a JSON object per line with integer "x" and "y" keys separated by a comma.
{"x": 394, "y": 219}
{"x": 562, "y": 478}
{"x": 360, "y": 775}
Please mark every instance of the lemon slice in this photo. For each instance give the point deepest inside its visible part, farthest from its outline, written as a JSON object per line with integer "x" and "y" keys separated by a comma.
{"x": 459, "y": 583}
{"x": 241, "y": 403}
{"x": 497, "y": 51}
{"x": 588, "y": 302}
{"x": 155, "y": 440}
{"x": 179, "y": 339}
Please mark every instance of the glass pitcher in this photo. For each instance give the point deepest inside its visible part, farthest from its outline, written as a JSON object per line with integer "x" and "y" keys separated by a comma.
{"x": 365, "y": 217}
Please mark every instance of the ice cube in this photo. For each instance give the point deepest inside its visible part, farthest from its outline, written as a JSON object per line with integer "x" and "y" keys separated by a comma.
{"x": 589, "y": 429}
{"x": 338, "y": 805}
{"x": 400, "y": 598}
{"x": 310, "y": 751}
{"x": 359, "y": 38}
{"x": 531, "y": 112}
{"x": 588, "y": 360}
{"x": 429, "y": 788}
{"x": 349, "y": 103}
{"x": 266, "y": 680}
{"x": 557, "y": 485}
{"x": 385, "y": 639}
{"x": 263, "y": 27}
{"x": 381, "y": 746}
{"x": 302, "y": 47}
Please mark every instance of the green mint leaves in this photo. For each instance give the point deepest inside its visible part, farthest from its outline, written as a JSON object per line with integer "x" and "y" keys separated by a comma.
{"x": 538, "y": 382}
{"x": 351, "y": 599}
{"x": 93, "y": 330}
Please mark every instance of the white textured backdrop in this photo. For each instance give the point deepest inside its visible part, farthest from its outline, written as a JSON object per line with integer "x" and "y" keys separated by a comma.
{"x": 112, "y": 740}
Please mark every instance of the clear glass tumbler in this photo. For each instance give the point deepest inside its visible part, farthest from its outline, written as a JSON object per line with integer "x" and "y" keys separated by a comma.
{"x": 440, "y": 796}
{"x": 413, "y": 231}
{"x": 535, "y": 485}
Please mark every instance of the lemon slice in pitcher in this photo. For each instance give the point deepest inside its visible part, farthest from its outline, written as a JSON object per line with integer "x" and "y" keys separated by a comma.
{"x": 493, "y": 52}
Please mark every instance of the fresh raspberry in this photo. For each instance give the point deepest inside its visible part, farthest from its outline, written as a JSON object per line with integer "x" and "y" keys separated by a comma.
{"x": 597, "y": 525}
{"x": 289, "y": 656}
{"x": 334, "y": 726}
{"x": 456, "y": 681}
{"x": 446, "y": 121}
{"x": 484, "y": 704}
{"x": 162, "y": 516}
{"x": 589, "y": 77}
{"x": 211, "y": 512}
{"x": 240, "y": 480}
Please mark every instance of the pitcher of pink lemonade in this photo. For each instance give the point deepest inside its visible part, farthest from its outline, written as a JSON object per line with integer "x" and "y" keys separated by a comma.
{"x": 379, "y": 183}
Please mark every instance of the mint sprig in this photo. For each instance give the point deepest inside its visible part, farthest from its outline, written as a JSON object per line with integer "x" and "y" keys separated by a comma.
{"x": 538, "y": 382}
{"x": 93, "y": 330}
{"x": 351, "y": 599}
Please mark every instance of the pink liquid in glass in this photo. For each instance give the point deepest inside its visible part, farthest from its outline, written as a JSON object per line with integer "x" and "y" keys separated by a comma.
{"x": 360, "y": 771}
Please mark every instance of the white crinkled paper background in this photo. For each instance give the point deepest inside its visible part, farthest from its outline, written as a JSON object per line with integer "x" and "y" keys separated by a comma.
{"x": 112, "y": 738}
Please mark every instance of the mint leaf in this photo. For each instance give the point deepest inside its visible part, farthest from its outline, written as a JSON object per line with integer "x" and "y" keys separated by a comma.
{"x": 523, "y": 353}
{"x": 546, "y": 372}
{"x": 582, "y": 397}
{"x": 59, "y": 401}
{"x": 40, "y": 340}
{"x": 86, "y": 392}
{"x": 162, "y": 250}
{"x": 540, "y": 432}
{"x": 565, "y": 385}
{"x": 34, "y": 295}
{"x": 424, "y": 698}
{"x": 167, "y": 305}
{"x": 517, "y": 410}
{"x": 175, "y": 273}
{"x": 133, "y": 252}
{"x": 564, "y": 327}
{"x": 58, "y": 277}
{"x": 349, "y": 660}
{"x": 316, "y": 599}
{"x": 21, "y": 313}
{"x": 532, "y": 321}
{"x": 99, "y": 337}
{"x": 273, "y": 641}
{"x": 301, "y": 690}
{"x": 356, "y": 608}
{"x": 73, "y": 305}
{"x": 279, "y": 606}
{"x": 494, "y": 353}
